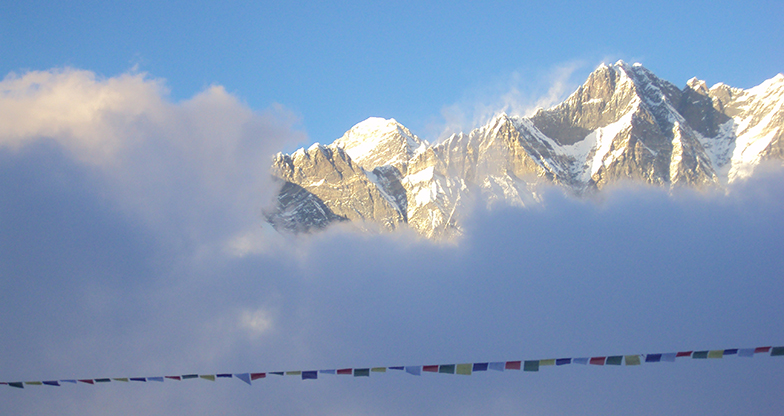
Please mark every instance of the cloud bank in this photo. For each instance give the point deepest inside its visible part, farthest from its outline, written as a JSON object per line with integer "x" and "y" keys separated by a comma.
{"x": 126, "y": 261}
{"x": 183, "y": 166}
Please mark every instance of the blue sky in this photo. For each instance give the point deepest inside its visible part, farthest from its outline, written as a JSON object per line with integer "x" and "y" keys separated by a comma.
{"x": 335, "y": 65}
{"x": 134, "y": 141}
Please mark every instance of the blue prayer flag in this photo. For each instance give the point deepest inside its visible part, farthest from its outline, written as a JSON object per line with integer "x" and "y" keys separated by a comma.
{"x": 479, "y": 367}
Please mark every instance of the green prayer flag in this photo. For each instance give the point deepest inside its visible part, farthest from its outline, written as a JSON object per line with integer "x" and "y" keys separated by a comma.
{"x": 446, "y": 368}
{"x": 716, "y": 354}
{"x": 293, "y": 373}
{"x": 531, "y": 365}
{"x": 379, "y": 369}
{"x": 777, "y": 351}
{"x": 614, "y": 360}
{"x": 102, "y": 380}
{"x": 632, "y": 359}
{"x": 361, "y": 372}
{"x": 699, "y": 354}
{"x": 464, "y": 369}
{"x": 547, "y": 362}
{"x": 210, "y": 377}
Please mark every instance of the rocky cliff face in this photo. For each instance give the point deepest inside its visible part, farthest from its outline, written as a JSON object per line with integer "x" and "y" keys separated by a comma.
{"x": 622, "y": 124}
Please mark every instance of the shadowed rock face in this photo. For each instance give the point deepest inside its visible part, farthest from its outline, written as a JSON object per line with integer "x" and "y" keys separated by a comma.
{"x": 622, "y": 124}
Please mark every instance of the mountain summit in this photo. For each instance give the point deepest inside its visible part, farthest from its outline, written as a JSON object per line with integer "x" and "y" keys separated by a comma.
{"x": 623, "y": 124}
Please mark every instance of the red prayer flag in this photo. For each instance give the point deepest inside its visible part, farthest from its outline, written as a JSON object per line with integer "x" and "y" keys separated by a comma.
{"x": 256, "y": 376}
{"x": 430, "y": 368}
{"x": 88, "y": 381}
{"x": 684, "y": 354}
{"x": 174, "y": 377}
{"x": 597, "y": 360}
{"x": 348, "y": 371}
{"x": 761, "y": 349}
{"x": 512, "y": 365}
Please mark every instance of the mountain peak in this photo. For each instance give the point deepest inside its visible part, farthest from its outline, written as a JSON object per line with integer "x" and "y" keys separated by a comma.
{"x": 377, "y": 142}
{"x": 624, "y": 123}
{"x": 697, "y": 85}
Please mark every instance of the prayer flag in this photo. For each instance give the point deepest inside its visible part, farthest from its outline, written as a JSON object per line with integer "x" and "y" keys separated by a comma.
{"x": 547, "y": 362}
{"x": 479, "y": 367}
{"x": 102, "y": 380}
{"x": 683, "y": 354}
{"x": 34, "y": 383}
{"x": 256, "y": 376}
{"x": 430, "y": 368}
{"x": 563, "y": 361}
{"x": 158, "y": 379}
{"x": 597, "y": 360}
{"x": 513, "y": 365}
{"x": 209, "y": 377}
{"x": 244, "y": 377}
{"x": 280, "y": 373}
{"x": 614, "y": 360}
{"x": 716, "y": 354}
{"x": 700, "y": 354}
{"x": 531, "y": 365}
{"x": 583, "y": 360}
{"x": 68, "y": 381}
{"x": 446, "y": 368}
{"x": 777, "y": 351}
{"x": 669, "y": 357}
{"x": 309, "y": 375}
{"x": 139, "y": 379}
{"x": 189, "y": 376}
{"x": 293, "y": 373}
{"x": 761, "y": 349}
{"x": 125, "y": 379}
{"x": 345, "y": 371}
{"x": 378, "y": 370}
{"x": 361, "y": 372}
{"x": 17, "y": 384}
{"x": 653, "y": 358}
{"x": 464, "y": 369}
{"x": 400, "y": 367}
{"x": 328, "y": 371}
{"x": 632, "y": 359}
{"x": 225, "y": 375}
{"x": 52, "y": 383}
{"x": 497, "y": 366}
{"x": 731, "y": 351}
{"x": 746, "y": 352}
{"x": 87, "y": 381}
{"x": 414, "y": 370}
{"x": 169, "y": 377}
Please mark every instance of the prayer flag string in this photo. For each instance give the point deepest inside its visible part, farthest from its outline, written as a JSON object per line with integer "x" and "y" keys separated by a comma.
{"x": 417, "y": 370}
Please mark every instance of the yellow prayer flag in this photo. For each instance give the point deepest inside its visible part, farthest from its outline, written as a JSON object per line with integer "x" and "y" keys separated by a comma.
{"x": 716, "y": 354}
{"x": 547, "y": 362}
{"x": 632, "y": 359}
{"x": 464, "y": 369}
{"x": 379, "y": 369}
{"x": 293, "y": 373}
{"x": 210, "y": 377}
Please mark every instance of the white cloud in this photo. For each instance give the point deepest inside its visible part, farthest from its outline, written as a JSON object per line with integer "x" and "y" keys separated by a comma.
{"x": 518, "y": 93}
{"x": 199, "y": 167}
{"x": 255, "y": 322}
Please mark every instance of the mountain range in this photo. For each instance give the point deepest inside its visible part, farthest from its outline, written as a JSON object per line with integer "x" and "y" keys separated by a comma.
{"x": 623, "y": 124}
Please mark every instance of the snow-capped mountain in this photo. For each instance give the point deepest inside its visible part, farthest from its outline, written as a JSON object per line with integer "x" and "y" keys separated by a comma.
{"x": 623, "y": 123}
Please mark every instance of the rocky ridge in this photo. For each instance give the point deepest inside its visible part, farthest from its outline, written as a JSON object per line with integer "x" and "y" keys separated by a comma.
{"x": 624, "y": 123}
